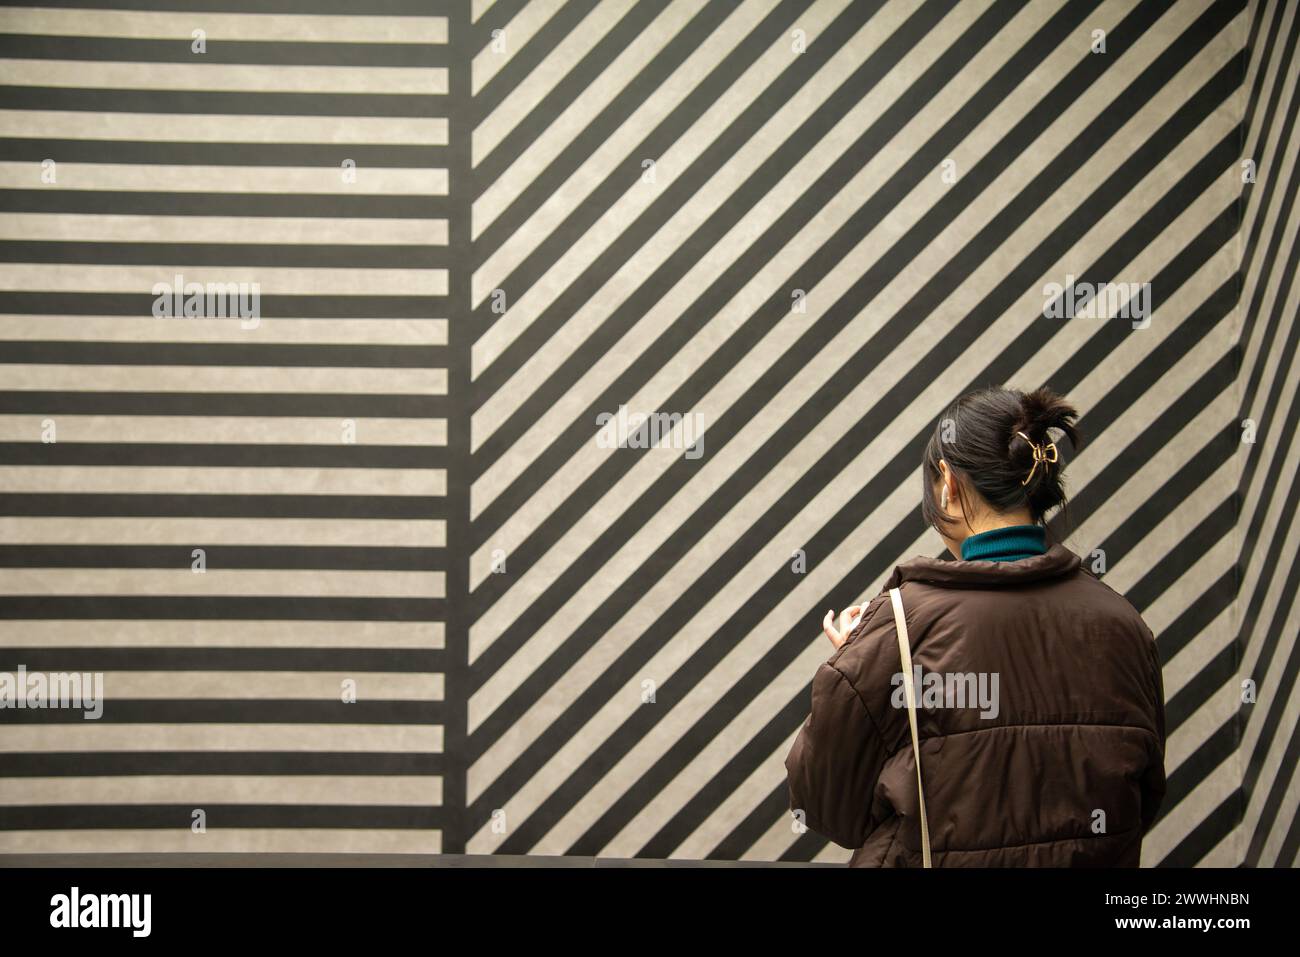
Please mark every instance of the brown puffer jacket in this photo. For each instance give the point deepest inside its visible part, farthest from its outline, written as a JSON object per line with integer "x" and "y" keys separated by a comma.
{"x": 1061, "y": 764}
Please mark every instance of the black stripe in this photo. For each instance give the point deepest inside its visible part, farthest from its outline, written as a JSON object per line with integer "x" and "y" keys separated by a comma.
{"x": 395, "y": 660}
{"x": 273, "y": 307}
{"x": 347, "y": 558}
{"x": 1207, "y": 835}
{"x": 58, "y": 817}
{"x": 277, "y": 354}
{"x": 222, "y": 103}
{"x": 252, "y": 52}
{"x": 364, "y": 710}
{"x": 15, "y": 764}
{"x": 373, "y": 8}
{"x": 159, "y": 203}
{"x": 268, "y": 255}
{"x": 463, "y": 116}
{"x": 269, "y": 404}
{"x": 232, "y": 607}
{"x": 176, "y": 454}
{"x": 223, "y": 506}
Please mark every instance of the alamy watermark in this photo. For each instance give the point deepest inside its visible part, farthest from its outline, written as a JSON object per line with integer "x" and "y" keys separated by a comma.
{"x": 56, "y": 689}
{"x": 646, "y": 430}
{"x": 215, "y": 300}
{"x": 950, "y": 689}
{"x": 75, "y": 909}
{"x": 1105, "y": 300}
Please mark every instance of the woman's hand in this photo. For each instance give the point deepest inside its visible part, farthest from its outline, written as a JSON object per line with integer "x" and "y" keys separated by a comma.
{"x": 848, "y": 618}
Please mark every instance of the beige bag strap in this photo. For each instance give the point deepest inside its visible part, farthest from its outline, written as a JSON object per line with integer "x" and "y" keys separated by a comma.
{"x": 909, "y": 691}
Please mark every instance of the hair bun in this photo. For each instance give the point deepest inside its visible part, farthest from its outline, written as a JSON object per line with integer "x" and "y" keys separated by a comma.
{"x": 1041, "y": 410}
{"x": 979, "y": 439}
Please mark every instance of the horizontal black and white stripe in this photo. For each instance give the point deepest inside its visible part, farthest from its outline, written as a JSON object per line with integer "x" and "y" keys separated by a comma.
{"x": 326, "y": 557}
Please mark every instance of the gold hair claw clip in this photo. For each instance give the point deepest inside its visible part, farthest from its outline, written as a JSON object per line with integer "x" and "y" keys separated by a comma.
{"x": 1040, "y": 455}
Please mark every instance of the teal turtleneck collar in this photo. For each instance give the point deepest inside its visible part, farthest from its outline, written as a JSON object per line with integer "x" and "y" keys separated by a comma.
{"x": 1007, "y": 544}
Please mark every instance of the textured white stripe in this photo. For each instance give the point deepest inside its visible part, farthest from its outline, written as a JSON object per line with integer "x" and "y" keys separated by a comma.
{"x": 198, "y": 790}
{"x": 97, "y": 737}
{"x": 205, "y": 430}
{"x": 234, "y": 582}
{"x": 376, "y": 332}
{"x": 218, "y": 128}
{"x": 271, "y": 379}
{"x": 221, "y": 481}
{"x": 271, "y": 280}
{"x": 239, "y": 77}
{"x": 228, "y": 179}
{"x": 227, "y": 840}
{"x": 242, "y": 230}
{"x": 215, "y": 633}
{"x": 270, "y": 685}
{"x": 299, "y": 28}
{"x": 37, "y": 530}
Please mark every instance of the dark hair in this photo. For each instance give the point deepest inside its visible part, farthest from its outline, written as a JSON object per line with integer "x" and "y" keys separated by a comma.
{"x": 977, "y": 437}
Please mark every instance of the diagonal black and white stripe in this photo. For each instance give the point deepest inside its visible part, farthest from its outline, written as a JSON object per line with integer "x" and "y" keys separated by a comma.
{"x": 823, "y": 171}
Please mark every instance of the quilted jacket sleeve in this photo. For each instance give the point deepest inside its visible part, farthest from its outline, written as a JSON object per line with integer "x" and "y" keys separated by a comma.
{"x": 836, "y": 760}
{"x": 1153, "y": 780}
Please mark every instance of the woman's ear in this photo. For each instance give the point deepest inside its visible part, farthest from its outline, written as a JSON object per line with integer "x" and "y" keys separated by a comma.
{"x": 947, "y": 486}
{"x": 949, "y": 496}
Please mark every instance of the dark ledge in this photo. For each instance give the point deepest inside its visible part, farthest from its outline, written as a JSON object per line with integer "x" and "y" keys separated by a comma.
{"x": 361, "y": 860}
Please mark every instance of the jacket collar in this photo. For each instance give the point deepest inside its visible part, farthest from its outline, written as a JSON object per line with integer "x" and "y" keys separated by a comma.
{"x": 1055, "y": 562}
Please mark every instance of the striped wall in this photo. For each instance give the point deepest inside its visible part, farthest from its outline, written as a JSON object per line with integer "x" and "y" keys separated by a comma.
{"x": 306, "y": 456}
{"x": 802, "y": 226}
{"x": 1267, "y": 535}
